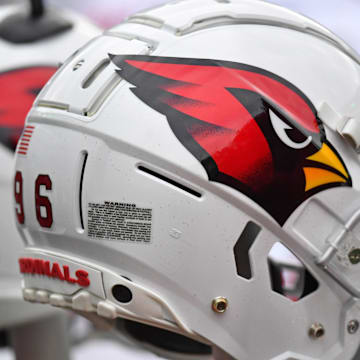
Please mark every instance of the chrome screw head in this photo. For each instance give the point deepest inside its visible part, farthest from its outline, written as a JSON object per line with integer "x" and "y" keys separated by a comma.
{"x": 78, "y": 64}
{"x": 354, "y": 256}
{"x": 219, "y": 304}
{"x": 353, "y": 326}
{"x": 316, "y": 331}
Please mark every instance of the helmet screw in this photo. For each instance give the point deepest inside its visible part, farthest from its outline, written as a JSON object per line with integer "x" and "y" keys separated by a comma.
{"x": 219, "y": 304}
{"x": 353, "y": 326}
{"x": 78, "y": 64}
{"x": 354, "y": 256}
{"x": 316, "y": 331}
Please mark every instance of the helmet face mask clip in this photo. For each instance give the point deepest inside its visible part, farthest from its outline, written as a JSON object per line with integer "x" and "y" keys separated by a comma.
{"x": 201, "y": 188}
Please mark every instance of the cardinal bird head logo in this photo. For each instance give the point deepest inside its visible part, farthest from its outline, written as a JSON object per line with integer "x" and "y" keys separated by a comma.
{"x": 250, "y": 129}
{"x": 19, "y": 90}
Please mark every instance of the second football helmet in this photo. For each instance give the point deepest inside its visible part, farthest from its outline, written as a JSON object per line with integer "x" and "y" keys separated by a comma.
{"x": 25, "y": 67}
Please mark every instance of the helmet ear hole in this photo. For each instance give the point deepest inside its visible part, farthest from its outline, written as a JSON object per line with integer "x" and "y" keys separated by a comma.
{"x": 288, "y": 275}
{"x": 121, "y": 293}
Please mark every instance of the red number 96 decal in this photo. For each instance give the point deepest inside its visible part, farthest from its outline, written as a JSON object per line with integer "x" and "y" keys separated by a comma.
{"x": 43, "y": 208}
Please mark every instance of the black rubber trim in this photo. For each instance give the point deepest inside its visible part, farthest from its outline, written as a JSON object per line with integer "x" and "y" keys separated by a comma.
{"x": 165, "y": 339}
{"x": 242, "y": 248}
{"x": 170, "y": 181}
{"x": 85, "y": 154}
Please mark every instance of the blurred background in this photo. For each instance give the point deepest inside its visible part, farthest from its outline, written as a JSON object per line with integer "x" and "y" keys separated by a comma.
{"x": 342, "y": 17}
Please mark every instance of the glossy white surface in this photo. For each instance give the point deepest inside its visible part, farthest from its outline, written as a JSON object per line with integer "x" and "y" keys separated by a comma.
{"x": 326, "y": 12}
{"x": 121, "y": 135}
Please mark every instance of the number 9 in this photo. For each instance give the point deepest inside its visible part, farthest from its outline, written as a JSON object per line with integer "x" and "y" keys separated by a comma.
{"x": 18, "y": 189}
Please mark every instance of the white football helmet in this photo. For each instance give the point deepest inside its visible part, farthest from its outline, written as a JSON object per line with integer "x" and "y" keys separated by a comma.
{"x": 26, "y": 65}
{"x": 167, "y": 158}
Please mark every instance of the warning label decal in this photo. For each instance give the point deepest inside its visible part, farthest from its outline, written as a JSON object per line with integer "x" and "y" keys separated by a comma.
{"x": 119, "y": 221}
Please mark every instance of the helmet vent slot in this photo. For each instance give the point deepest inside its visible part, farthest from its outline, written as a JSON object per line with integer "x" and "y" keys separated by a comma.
{"x": 84, "y": 156}
{"x": 146, "y": 20}
{"x": 288, "y": 275}
{"x": 94, "y": 74}
{"x": 242, "y": 248}
{"x": 169, "y": 181}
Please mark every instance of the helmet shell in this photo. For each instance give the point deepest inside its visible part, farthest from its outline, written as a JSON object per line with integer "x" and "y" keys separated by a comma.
{"x": 132, "y": 223}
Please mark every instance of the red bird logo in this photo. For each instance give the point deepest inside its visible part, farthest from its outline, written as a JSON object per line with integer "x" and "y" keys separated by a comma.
{"x": 19, "y": 90}
{"x": 250, "y": 129}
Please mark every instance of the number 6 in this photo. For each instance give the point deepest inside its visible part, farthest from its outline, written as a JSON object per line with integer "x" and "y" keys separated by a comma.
{"x": 43, "y": 201}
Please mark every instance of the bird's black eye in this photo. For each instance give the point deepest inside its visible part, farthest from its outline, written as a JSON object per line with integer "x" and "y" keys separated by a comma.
{"x": 288, "y": 135}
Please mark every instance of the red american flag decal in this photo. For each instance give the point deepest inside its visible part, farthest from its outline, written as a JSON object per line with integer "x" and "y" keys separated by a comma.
{"x": 24, "y": 142}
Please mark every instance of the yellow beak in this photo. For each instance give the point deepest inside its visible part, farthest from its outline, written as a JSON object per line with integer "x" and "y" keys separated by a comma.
{"x": 315, "y": 176}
